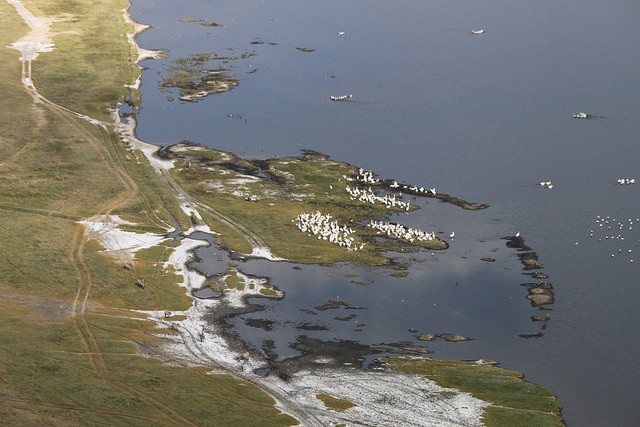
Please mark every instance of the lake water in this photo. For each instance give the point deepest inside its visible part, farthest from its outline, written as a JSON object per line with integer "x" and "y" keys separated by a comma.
{"x": 484, "y": 118}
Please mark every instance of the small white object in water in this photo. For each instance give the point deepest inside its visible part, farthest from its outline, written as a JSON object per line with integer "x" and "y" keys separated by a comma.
{"x": 477, "y": 32}
{"x": 340, "y": 97}
{"x": 452, "y": 235}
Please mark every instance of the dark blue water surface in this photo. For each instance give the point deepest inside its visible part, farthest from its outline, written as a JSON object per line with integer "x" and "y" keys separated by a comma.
{"x": 482, "y": 117}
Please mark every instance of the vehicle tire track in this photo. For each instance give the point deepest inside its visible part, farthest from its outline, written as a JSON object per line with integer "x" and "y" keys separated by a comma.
{"x": 79, "y": 306}
{"x": 253, "y": 239}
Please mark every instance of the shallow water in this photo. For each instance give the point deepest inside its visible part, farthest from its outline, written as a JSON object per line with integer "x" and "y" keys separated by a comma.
{"x": 484, "y": 118}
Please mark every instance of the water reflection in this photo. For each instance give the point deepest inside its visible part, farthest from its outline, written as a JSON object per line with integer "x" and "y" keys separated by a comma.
{"x": 444, "y": 292}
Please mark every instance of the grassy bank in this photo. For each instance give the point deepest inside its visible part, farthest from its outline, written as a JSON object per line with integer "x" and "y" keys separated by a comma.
{"x": 513, "y": 401}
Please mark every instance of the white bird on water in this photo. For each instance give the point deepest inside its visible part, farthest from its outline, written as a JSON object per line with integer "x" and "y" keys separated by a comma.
{"x": 518, "y": 234}
{"x": 452, "y": 235}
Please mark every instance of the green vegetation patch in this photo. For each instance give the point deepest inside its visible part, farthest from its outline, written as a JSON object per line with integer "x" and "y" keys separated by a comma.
{"x": 91, "y": 52}
{"x": 514, "y": 401}
{"x": 195, "y": 78}
{"x": 65, "y": 383}
{"x": 269, "y": 196}
{"x": 335, "y": 403}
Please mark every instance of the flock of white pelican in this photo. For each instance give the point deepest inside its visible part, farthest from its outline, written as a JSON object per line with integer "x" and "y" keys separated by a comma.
{"x": 401, "y": 232}
{"x": 324, "y": 228}
{"x": 615, "y": 231}
{"x": 368, "y": 196}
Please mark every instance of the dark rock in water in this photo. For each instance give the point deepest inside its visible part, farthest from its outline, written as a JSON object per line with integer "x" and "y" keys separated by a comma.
{"x": 453, "y": 337}
{"x": 313, "y": 327}
{"x": 399, "y": 344}
{"x": 539, "y": 318}
{"x": 333, "y": 304}
{"x": 541, "y": 285}
{"x": 540, "y": 296}
{"x": 529, "y": 258}
{"x": 530, "y": 261}
{"x": 345, "y": 318}
{"x": 538, "y": 275}
{"x": 426, "y": 337}
{"x": 516, "y": 242}
{"x": 487, "y": 259}
{"x": 538, "y": 335}
{"x": 265, "y": 324}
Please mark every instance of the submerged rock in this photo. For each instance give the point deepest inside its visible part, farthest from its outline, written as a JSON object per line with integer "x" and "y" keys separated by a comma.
{"x": 539, "y": 318}
{"x": 453, "y": 337}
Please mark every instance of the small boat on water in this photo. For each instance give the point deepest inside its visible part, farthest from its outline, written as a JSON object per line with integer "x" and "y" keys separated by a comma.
{"x": 477, "y": 32}
{"x": 580, "y": 115}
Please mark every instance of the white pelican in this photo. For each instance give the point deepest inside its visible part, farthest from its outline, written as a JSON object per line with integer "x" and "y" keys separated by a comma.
{"x": 477, "y": 32}
{"x": 452, "y": 235}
